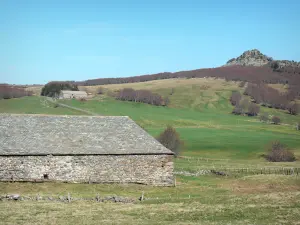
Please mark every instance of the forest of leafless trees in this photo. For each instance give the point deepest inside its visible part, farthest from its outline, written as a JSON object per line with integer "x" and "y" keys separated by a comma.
{"x": 145, "y": 96}
{"x": 12, "y": 91}
{"x": 264, "y": 74}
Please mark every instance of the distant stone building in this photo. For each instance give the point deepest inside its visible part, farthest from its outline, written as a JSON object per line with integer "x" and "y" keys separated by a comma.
{"x": 81, "y": 149}
{"x": 66, "y": 94}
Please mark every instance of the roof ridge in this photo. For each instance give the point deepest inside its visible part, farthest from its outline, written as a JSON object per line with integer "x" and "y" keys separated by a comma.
{"x": 56, "y": 115}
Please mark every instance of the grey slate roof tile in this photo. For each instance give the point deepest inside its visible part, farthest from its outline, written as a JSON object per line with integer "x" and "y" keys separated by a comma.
{"x": 33, "y": 134}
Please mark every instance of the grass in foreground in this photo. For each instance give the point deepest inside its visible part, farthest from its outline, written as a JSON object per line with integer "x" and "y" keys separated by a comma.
{"x": 261, "y": 199}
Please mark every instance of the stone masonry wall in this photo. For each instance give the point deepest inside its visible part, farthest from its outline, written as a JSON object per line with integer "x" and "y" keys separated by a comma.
{"x": 144, "y": 169}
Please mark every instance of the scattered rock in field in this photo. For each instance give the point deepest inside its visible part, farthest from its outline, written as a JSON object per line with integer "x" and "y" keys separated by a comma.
{"x": 198, "y": 173}
{"x": 221, "y": 173}
{"x": 13, "y": 197}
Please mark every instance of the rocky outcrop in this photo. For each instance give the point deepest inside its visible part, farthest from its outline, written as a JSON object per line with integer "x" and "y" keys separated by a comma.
{"x": 255, "y": 58}
{"x": 287, "y": 63}
{"x": 250, "y": 58}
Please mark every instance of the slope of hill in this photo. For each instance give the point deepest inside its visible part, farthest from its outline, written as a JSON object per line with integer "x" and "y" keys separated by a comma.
{"x": 214, "y": 140}
{"x": 251, "y": 66}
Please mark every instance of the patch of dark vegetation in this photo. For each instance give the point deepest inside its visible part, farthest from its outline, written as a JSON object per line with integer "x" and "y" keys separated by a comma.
{"x": 293, "y": 108}
{"x": 264, "y": 117}
{"x": 12, "y": 91}
{"x": 144, "y": 96}
{"x": 170, "y": 138}
{"x": 100, "y": 91}
{"x": 220, "y": 173}
{"x": 243, "y": 106}
{"x": 242, "y": 84}
{"x": 263, "y": 74}
{"x": 53, "y": 88}
{"x": 278, "y": 152}
{"x": 82, "y": 100}
{"x": 235, "y": 98}
{"x": 272, "y": 98}
{"x": 276, "y": 120}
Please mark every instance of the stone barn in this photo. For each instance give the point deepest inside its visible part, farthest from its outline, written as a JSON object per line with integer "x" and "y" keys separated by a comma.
{"x": 66, "y": 94}
{"x": 80, "y": 149}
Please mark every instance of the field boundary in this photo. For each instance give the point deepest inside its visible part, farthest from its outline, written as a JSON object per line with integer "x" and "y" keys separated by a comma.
{"x": 71, "y": 107}
{"x": 295, "y": 171}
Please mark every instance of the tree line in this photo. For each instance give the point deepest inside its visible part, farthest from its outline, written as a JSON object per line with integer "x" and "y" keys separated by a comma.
{"x": 53, "y": 88}
{"x": 264, "y": 74}
{"x": 144, "y": 96}
{"x": 272, "y": 98}
{"x": 12, "y": 91}
{"x": 243, "y": 106}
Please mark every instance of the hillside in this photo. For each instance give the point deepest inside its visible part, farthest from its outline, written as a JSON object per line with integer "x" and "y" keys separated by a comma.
{"x": 254, "y": 190}
{"x": 199, "y": 108}
{"x": 252, "y": 66}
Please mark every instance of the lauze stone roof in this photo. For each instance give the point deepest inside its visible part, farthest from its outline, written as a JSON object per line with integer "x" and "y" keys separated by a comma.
{"x": 74, "y": 135}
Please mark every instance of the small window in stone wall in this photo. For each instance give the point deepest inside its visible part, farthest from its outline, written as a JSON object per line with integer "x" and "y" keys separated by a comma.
{"x": 46, "y": 177}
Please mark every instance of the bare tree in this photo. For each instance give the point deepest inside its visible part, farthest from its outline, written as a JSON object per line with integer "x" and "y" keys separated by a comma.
{"x": 145, "y": 96}
{"x": 278, "y": 152}
{"x": 293, "y": 108}
{"x": 253, "y": 109}
{"x": 235, "y": 98}
{"x": 264, "y": 117}
{"x": 276, "y": 120}
{"x": 244, "y": 104}
{"x": 170, "y": 138}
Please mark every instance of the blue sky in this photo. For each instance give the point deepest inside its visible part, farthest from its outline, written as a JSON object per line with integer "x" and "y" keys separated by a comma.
{"x": 45, "y": 40}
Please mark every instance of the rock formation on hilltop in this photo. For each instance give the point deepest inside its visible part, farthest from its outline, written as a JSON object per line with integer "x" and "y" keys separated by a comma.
{"x": 255, "y": 58}
{"x": 250, "y": 58}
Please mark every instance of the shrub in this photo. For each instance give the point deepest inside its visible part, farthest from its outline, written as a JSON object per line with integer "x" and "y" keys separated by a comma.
{"x": 172, "y": 91}
{"x": 293, "y": 108}
{"x": 100, "y": 91}
{"x": 53, "y": 89}
{"x": 235, "y": 98}
{"x": 264, "y": 117}
{"x": 242, "y": 84}
{"x": 237, "y": 110}
{"x": 253, "y": 109}
{"x": 171, "y": 140}
{"x": 274, "y": 65}
{"x": 277, "y": 152}
{"x": 166, "y": 101}
{"x": 276, "y": 120}
{"x": 244, "y": 104}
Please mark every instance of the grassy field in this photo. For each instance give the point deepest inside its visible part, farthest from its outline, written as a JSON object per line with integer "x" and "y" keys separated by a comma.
{"x": 214, "y": 138}
{"x": 261, "y": 199}
{"x": 33, "y": 105}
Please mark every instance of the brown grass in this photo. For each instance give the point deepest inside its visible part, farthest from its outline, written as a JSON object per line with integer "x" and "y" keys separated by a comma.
{"x": 204, "y": 83}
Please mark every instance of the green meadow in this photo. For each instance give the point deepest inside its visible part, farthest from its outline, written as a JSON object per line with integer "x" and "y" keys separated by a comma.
{"x": 214, "y": 139}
